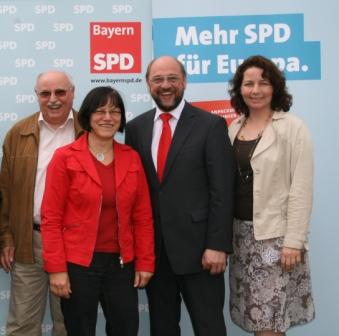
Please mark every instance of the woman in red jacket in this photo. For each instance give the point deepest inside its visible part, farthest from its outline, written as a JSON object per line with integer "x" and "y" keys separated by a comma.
{"x": 97, "y": 227}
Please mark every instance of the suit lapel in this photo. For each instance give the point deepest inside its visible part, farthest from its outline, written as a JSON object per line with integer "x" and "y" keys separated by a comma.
{"x": 183, "y": 129}
{"x": 266, "y": 141}
{"x": 146, "y": 147}
{"x": 235, "y": 127}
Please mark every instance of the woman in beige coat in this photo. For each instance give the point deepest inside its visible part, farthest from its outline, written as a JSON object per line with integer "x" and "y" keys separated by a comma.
{"x": 269, "y": 271}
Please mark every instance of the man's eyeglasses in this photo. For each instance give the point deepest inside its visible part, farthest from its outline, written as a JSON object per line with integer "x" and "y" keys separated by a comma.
{"x": 59, "y": 93}
{"x": 158, "y": 80}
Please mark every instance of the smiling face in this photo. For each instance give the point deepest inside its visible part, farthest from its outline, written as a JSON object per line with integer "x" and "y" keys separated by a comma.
{"x": 256, "y": 91}
{"x": 55, "y": 95}
{"x": 166, "y": 83}
{"x": 105, "y": 121}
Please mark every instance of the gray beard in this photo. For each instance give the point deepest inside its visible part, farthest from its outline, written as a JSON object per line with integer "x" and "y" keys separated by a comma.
{"x": 168, "y": 108}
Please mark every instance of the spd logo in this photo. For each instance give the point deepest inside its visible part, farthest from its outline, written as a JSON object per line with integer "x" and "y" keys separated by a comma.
{"x": 115, "y": 47}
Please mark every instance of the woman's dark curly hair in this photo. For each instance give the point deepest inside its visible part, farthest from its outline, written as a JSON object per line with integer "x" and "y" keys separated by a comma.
{"x": 281, "y": 99}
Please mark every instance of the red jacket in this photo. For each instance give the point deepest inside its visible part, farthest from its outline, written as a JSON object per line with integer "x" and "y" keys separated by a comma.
{"x": 71, "y": 208}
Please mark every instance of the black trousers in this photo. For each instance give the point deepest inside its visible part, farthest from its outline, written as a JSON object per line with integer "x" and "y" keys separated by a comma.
{"x": 106, "y": 282}
{"x": 202, "y": 293}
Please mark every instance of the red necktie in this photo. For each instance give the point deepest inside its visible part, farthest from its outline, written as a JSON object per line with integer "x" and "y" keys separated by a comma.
{"x": 164, "y": 144}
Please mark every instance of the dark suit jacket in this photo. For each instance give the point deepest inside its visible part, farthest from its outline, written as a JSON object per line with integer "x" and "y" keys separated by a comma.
{"x": 193, "y": 206}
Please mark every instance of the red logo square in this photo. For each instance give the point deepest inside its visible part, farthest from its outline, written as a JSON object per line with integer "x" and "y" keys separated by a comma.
{"x": 115, "y": 47}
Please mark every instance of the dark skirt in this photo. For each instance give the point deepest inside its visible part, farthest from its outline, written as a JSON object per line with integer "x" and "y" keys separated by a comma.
{"x": 262, "y": 295}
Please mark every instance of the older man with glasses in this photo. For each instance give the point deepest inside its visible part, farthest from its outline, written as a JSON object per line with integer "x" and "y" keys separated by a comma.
{"x": 27, "y": 150}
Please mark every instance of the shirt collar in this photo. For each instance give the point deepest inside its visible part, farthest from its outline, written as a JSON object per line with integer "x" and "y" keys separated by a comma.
{"x": 176, "y": 113}
{"x": 42, "y": 121}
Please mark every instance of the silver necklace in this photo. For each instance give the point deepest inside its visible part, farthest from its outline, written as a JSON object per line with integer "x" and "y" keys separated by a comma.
{"x": 245, "y": 173}
{"x": 100, "y": 156}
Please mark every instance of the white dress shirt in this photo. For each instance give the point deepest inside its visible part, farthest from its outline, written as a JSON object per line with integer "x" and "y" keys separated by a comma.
{"x": 50, "y": 140}
{"x": 157, "y": 127}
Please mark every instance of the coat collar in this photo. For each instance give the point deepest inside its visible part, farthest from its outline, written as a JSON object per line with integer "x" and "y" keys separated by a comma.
{"x": 147, "y": 145}
{"x": 122, "y": 159}
{"x": 33, "y": 127}
{"x": 268, "y": 136}
{"x": 182, "y": 131}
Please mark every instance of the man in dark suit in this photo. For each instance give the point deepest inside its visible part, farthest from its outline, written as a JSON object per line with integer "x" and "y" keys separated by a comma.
{"x": 192, "y": 203}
